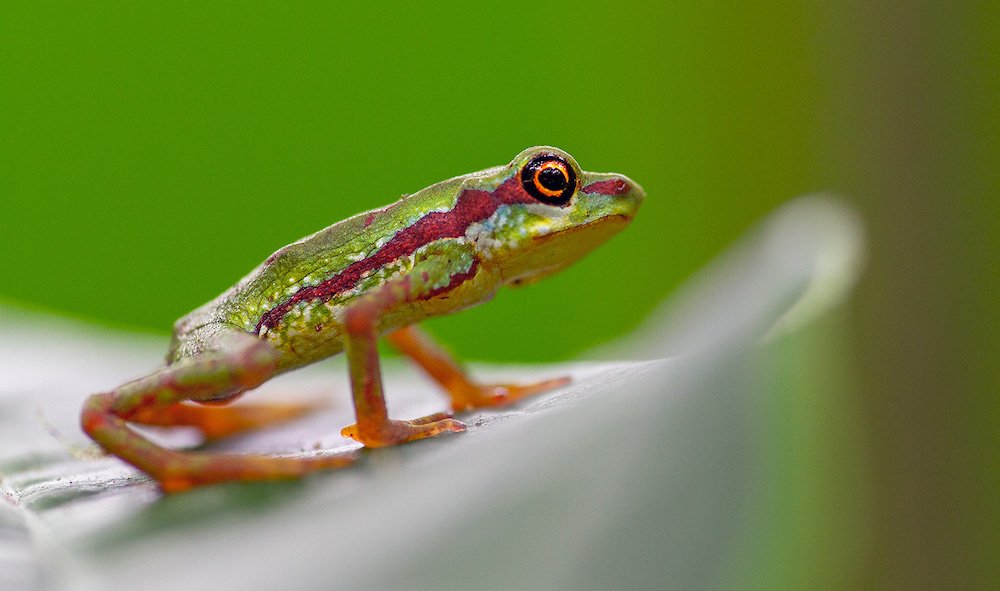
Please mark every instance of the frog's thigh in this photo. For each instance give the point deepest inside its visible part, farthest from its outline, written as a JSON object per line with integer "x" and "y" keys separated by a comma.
{"x": 209, "y": 416}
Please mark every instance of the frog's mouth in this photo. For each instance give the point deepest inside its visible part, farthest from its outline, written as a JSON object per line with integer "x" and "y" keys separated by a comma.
{"x": 553, "y": 252}
{"x": 600, "y": 229}
{"x": 576, "y": 241}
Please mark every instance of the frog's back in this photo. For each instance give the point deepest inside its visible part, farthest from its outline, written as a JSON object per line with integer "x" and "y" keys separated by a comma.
{"x": 325, "y": 265}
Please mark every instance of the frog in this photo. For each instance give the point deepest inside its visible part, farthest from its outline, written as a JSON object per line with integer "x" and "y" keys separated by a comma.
{"x": 377, "y": 274}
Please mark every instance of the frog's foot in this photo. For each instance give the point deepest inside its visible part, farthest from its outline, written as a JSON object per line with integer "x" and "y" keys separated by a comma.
{"x": 395, "y": 432}
{"x": 217, "y": 422}
{"x": 181, "y": 471}
{"x": 472, "y": 395}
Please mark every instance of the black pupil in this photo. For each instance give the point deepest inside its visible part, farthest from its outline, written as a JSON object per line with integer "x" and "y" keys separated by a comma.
{"x": 552, "y": 179}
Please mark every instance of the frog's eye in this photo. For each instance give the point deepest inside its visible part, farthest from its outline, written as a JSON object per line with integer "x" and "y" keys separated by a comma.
{"x": 550, "y": 179}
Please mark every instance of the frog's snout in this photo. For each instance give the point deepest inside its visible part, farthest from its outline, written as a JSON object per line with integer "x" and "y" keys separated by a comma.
{"x": 628, "y": 194}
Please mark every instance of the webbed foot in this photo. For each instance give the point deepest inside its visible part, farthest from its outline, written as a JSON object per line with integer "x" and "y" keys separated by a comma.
{"x": 396, "y": 432}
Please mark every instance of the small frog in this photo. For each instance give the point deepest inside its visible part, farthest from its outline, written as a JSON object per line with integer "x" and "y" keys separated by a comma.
{"x": 437, "y": 251}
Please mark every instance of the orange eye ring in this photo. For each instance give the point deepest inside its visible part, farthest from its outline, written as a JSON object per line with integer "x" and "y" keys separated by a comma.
{"x": 550, "y": 179}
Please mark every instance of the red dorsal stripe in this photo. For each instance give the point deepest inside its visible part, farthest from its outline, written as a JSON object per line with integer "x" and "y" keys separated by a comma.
{"x": 472, "y": 206}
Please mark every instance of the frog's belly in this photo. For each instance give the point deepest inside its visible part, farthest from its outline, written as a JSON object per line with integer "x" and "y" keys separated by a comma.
{"x": 309, "y": 334}
{"x": 302, "y": 347}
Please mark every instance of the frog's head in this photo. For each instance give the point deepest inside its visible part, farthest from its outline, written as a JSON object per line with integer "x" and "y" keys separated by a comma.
{"x": 551, "y": 213}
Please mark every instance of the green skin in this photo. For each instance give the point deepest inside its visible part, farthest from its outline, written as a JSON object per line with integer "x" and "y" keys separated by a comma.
{"x": 445, "y": 248}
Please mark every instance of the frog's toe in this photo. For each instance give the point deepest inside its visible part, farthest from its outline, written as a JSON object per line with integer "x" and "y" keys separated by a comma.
{"x": 187, "y": 470}
{"x": 217, "y": 422}
{"x": 397, "y": 432}
{"x": 496, "y": 395}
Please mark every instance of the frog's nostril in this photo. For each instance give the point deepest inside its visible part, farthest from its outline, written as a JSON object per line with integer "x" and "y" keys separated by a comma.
{"x": 613, "y": 186}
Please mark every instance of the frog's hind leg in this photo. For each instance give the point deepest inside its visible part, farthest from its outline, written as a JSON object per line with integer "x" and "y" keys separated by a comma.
{"x": 464, "y": 392}
{"x": 240, "y": 363}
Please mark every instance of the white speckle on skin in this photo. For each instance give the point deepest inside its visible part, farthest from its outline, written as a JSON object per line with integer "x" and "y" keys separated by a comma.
{"x": 481, "y": 234}
{"x": 547, "y": 211}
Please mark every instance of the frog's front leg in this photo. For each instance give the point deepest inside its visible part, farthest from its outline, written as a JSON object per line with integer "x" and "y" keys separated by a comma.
{"x": 374, "y": 428}
{"x": 465, "y": 394}
{"x": 240, "y": 362}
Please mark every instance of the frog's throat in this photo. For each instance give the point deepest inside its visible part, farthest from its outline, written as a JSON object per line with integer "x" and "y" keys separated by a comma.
{"x": 472, "y": 206}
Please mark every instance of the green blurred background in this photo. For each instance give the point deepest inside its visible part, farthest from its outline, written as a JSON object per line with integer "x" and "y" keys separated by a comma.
{"x": 151, "y": 155}
{"x": 155, "y": 155}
